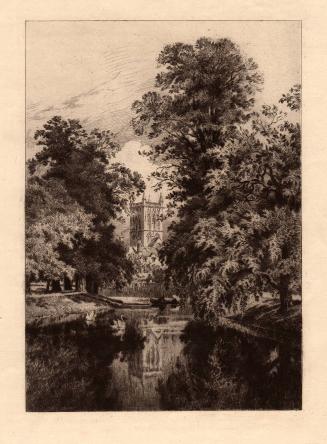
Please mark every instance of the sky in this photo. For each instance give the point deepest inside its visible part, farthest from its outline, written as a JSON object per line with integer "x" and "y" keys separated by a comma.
{"x": 93, "y": 70}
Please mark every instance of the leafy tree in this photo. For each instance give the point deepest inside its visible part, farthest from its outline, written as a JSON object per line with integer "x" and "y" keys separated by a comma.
{"x": 103, "y": 261}
{"x": 84, "y": 164}
{"x": 293, "y": 98}
{"x": 53, "y": 219}
{"x": 147, "y": 266}
{"x": 252, "y": 231}
{"x": 202, "y": 93}
{"x": 234, "y": 176}
{"x": 84, "y": 161}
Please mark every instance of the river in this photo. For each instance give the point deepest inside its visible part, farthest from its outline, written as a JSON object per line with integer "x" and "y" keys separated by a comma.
{"x": 156, "y": 360}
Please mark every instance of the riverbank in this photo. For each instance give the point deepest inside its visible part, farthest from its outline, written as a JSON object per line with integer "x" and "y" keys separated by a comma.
{"x": 58, "y": 305}
{"x": 262, "y": 319}
{"x": 265, "y": 319}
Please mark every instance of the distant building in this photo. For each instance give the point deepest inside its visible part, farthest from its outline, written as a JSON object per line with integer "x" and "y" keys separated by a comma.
{"x": 146, "y": 227}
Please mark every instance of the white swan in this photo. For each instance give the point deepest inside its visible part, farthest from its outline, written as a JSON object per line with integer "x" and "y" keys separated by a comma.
{"x": 90, "y": 316}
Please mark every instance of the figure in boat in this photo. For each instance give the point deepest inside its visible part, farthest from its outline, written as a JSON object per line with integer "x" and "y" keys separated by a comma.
{"x": 163, "y": 301}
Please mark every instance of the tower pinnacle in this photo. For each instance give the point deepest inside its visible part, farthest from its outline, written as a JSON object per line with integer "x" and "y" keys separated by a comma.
{"x": 146, "y": 227}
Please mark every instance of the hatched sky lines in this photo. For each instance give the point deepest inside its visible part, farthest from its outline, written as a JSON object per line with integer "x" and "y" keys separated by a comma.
{"x": 94, "y": 71}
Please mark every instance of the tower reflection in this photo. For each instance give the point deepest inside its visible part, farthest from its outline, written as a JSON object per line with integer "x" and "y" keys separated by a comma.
{"x": 148, "y": 362}
{"x": 136, "y": 377}
{"x": 156, "y": 359}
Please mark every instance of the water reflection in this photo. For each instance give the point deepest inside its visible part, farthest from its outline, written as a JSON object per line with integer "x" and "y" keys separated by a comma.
{"x": 149, "y": 360}
{"x": 222, "y": 369}
{"x": 138, "y": 375}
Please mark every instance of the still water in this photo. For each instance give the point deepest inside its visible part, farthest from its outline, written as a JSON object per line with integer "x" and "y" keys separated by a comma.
{"x": 156, "y": 360}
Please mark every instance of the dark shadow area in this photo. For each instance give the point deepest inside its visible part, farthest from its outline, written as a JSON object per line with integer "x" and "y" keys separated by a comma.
{"x": 68, "y": 366}
{"x": 150, "y": 360}
{"x": 223, "y": 369}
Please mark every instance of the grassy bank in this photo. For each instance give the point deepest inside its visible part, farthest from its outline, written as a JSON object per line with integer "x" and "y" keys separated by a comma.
{"x": 265, "y": 318}
{"x": 39, "y": 306}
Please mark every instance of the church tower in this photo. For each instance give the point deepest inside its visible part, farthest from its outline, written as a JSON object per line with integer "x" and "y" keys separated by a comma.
{"x": 146, "y": 223}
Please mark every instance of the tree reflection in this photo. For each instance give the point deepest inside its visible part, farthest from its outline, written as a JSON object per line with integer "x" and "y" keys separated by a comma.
{"x": 223, "y": 369}
{"x": 77, "y": 366}
{"x": 68, "y": 366}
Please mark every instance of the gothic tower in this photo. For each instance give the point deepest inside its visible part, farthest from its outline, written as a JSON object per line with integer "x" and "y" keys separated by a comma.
{"x": 146, "y": 223}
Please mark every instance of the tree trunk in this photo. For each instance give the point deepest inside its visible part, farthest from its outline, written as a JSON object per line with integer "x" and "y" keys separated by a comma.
{"x": 77, "y": 283}
{"x": 67, "y": 283}
{"x": 95, "y": 287}
{"x": 48, "y": 286}
{"x": 28, "y": 284}
{"x": 82, "y": 284}
{"x": 55, "y": 285}
{"x": 91, "y": 285}
{"x": 88, "y": 284}
{"x": 284, "y": 294}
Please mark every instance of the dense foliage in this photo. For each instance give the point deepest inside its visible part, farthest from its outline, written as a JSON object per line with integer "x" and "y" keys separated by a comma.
{"x": 66, "y": 371}
{"x": 204, "y": 91}
{"x": 147, "y": 265}
{"x": 233, "y": 176}
{"x": 53, "y": 220}
{"x": 75, "y": 191}
{"x": 253, "y": 240}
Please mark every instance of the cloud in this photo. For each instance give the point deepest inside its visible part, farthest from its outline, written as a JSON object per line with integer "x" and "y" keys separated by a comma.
{"x": 132, "y": 159}
{"x": 41, "y": 114}
{"x": 74, "y": 101}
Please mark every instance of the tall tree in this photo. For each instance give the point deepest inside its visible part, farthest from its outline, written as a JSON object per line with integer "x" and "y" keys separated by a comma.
{"x": 203, "y": 92}
{"x": 234, "y": 175}
{"x": 84, "y": 164}
{"x": 250, "y": 238}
